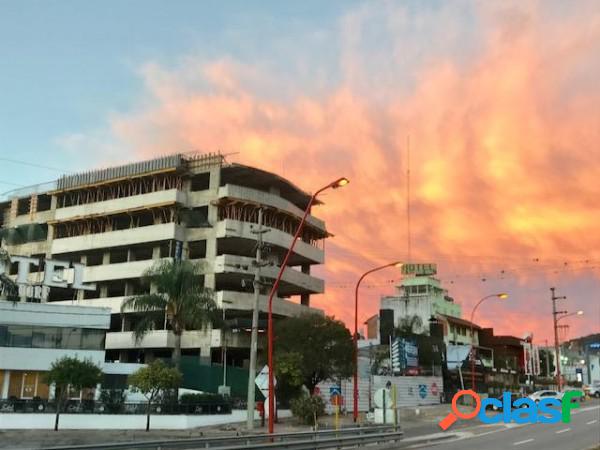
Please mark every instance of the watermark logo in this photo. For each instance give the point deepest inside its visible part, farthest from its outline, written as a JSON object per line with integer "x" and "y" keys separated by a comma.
{"x": 526, "y": 410}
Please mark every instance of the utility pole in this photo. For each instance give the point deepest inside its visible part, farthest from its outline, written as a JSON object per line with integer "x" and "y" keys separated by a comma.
{"x": 258, "y": 263}
{"x": 547, "y": 359}
{"x": 555, "y": 314}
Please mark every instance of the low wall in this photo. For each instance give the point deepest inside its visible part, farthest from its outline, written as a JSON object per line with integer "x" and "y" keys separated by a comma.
{"x": 120, "y": 421}
{"x": 410, "y": 391}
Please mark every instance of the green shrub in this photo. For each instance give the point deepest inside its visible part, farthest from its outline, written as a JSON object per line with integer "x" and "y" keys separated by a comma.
{"x": 307, "y": 408}
{"x": 113, "y": 400}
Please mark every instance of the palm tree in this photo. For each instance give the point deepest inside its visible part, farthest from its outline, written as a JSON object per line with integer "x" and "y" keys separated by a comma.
{"x": 180, "y": 293}
{"x": 8, "y": 288}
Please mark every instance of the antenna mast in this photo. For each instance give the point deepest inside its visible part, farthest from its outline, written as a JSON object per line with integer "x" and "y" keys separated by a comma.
{"x": 408, "y": 236}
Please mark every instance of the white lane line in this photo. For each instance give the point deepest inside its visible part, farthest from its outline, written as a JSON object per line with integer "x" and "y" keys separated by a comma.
{"x": 591, "y": 422}
{"x": 563, "y": 430}
{"x": 524, "y": 442}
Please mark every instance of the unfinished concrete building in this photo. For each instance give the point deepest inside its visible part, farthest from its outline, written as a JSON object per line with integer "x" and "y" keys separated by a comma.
{"x": 119, "y": 221}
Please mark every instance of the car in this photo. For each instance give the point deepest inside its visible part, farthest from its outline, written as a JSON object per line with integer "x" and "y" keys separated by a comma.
{"x": 578, "y": 398}
{"x": 513, "y": 397}
{"x": 593, "y": 390}
{"x": 538, "y": 395}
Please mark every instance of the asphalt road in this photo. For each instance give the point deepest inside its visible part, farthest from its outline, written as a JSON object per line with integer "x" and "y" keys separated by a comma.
{"x": 582, "y": 433}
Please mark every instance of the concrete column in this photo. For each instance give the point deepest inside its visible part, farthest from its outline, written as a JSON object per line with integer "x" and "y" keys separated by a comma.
{"x": 106, "y": 258}
{"x": 14, "y": 207}
{"x": 156, "y": 252}
{"x": 305, "y": 298}
{"x": 5, "y": 383}
{"x": 103, "y": 290}
{"x": 211, "y": 254}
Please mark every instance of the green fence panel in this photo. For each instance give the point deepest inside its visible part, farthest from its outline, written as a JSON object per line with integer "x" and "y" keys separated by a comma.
{"x": 207, "y": 378}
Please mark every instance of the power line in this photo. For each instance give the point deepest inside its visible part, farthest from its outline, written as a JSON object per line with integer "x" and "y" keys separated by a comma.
{"x": 10, "y": 183}
{"x": 39, "y": 166}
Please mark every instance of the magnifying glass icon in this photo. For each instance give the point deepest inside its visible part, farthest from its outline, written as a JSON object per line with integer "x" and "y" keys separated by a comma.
{"x": 447, "y": 421}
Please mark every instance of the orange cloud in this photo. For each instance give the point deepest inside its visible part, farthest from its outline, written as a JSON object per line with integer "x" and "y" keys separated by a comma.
{"x": 504, "y": 160}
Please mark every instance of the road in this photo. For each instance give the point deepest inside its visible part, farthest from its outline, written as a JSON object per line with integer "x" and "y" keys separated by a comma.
{"x": 582, "y": 433}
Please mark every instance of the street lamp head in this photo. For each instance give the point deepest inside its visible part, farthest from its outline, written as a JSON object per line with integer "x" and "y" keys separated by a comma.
{"x": 398, "y": 264}
{"x": 339, "y": 183}
{"x": 503, "y": 295}
{"x": 579, "y": 313}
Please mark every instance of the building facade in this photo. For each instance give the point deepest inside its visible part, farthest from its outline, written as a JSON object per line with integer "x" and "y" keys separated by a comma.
{"x": 420, "y": 296}
{"x": 118, "y": 222}
{"x": 34, "y": 335}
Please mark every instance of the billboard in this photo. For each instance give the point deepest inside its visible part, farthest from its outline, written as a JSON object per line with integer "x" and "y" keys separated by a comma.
{"x": 404, "y": 354}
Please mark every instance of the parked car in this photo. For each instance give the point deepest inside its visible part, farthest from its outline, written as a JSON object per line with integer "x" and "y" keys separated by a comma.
{"x": 593, "y": 390}
{"x": 580, "y": 398}
{"x": 513, "y": 397}
{"x": 538, "y": 395}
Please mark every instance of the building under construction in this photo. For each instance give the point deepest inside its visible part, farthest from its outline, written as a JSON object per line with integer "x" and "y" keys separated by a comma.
{"x": 119, "y": 221}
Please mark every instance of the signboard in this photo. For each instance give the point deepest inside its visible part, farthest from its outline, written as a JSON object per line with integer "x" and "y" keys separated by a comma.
{"x": 262, "y": 381}
{"x": 531, "y": 358}
{"x": 54, "y": 275}
{"x": 419, "y": 269}
{"x": 404, "y": 354}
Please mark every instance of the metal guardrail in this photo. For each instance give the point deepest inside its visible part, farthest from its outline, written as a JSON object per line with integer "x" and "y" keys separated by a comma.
{"x": 296, "y": 440}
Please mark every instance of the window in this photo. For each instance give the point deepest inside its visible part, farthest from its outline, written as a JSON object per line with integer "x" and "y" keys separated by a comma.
{"x": 25, "y": 336}
{"x": 200, "y": 182}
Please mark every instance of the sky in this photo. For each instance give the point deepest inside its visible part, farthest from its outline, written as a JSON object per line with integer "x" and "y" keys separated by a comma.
{"x": 496, "y": 105}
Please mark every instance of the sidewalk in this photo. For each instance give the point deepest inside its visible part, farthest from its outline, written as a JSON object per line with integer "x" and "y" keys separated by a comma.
{"x": 412, "y": 420}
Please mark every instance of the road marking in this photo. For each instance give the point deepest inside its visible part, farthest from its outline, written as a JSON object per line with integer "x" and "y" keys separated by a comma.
{"x": 524, "y": 442}
{"x": 563, "y": 431}
{"x": 591, "y": 422}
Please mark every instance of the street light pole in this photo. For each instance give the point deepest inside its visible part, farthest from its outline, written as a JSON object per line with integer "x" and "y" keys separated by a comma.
{"x": 355, "y": 337}
{"x": 500, "y": 296}
{"x": 555, "y": 314}
{"x": 557, "y": 319}
{"x": 336, "y": 184}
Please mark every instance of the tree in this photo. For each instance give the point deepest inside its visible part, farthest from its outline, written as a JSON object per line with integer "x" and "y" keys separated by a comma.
{"x": 153, "y": 380}
{"x": 312, "y": 348}
{"x": 180, "y": 294}
{"x": 408, "y": 326}
{"x": 71, "y": 373}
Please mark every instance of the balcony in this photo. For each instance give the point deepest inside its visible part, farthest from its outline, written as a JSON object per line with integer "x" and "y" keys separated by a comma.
{"x": 153, "y": 339}
{"x": 160, "y": 339}
{"x": 267, "y": 199}
{"x": 239, "y": 235}
{"x": 231, "y": 269}
{"x": 158, "y": 198}
{"x": 130, "y": 236}
{"x": 244, "y": 301}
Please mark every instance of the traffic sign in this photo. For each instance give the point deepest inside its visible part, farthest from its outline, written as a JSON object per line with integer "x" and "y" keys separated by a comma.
{"x": 382, "y": 396}
{"x": 262, "y": 381}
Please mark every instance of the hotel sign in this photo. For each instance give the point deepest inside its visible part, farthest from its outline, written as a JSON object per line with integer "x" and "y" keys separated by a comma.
{"x": 54, "y": 275}
{"x": 419, "y": 269}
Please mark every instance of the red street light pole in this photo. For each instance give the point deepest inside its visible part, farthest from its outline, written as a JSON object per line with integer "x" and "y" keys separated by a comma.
{"x": 336, "y": 184}
{"x": 500, "y": 296}
{"x": 355, "y": 337}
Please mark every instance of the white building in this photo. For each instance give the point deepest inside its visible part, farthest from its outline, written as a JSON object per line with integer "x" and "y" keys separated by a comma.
{"x": 34, "y": 335}
{"x": 420, "y": 296}
{"x": 119, "y": 221}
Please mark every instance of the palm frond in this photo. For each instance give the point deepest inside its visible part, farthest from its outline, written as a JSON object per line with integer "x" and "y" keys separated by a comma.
{"x": 145, "y": 303}
{"x": 143, "y": 326}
